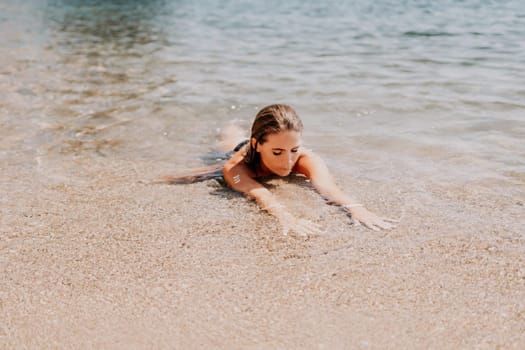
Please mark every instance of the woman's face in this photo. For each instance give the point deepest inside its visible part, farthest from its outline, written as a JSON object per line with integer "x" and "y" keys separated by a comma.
{"x": 280, "y": 152}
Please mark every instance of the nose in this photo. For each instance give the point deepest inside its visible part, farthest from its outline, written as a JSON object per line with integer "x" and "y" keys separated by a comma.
{"x": 291, "y": 157}
{"x": 288, "y": 160}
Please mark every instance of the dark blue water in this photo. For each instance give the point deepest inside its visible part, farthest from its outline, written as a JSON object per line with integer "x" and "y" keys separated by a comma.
{"x": 436, "y": 87}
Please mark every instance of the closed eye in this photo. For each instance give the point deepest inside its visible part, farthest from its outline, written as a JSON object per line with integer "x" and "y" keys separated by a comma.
{"x": 278, "y": 152}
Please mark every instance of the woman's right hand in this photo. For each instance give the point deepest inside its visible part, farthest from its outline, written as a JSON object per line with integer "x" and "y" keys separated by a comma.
{"x": 301, "y": 227}
{"x": 361, "y": 215}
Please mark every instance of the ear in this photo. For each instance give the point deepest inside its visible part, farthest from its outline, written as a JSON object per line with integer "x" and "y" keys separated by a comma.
{"x": 254, "y": 144}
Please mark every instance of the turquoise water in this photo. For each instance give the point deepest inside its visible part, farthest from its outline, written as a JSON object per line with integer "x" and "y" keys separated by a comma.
{"x": 434, "y": 89}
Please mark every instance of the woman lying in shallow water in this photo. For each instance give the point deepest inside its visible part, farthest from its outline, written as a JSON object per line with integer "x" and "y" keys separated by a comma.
{"x": 274, "y": 148}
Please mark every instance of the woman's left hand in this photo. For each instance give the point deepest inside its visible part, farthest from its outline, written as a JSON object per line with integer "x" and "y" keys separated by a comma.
{"x": 361, "y": 215}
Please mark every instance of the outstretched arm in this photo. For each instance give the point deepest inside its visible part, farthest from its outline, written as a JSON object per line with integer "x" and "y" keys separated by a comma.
{"x": 313, "y": 167}
{"x": 239, "y": 177}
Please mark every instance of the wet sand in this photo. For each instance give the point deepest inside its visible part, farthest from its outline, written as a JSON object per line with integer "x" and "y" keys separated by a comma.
{"x": 93, "y": 256}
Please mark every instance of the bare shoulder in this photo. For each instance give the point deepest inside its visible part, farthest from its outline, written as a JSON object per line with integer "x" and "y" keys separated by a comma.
{"x": 309, "y": 163}
{"x": 236, "y": 163}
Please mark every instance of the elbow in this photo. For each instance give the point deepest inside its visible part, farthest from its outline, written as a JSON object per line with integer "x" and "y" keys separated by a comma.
{"x": 226, "y": 174}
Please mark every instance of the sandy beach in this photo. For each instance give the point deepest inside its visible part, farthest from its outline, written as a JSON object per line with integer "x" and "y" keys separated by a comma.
{"x": 94, "y": 256}
{"x": 417, "y": 109}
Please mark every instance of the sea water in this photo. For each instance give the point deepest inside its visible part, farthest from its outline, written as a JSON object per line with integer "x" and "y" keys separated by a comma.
{"x": 424, "y": 89}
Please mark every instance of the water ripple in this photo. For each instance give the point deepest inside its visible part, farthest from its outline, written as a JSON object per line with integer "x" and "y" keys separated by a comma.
{"x": 114, "y": 77}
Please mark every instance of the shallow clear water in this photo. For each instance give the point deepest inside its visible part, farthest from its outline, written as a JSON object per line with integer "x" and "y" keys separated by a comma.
{"x": 412, "y": 88}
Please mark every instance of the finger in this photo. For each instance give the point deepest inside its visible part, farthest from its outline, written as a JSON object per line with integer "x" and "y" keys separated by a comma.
{"x": 385, "y": 225}
{"x": 301, "y": 231}
{"x": 392, "y": 224}
{"x": 310, "y": 223}
{"x": 380, "y": 225}
{"x": 301, "y": 227}
{"x": 371, "y": 226}
{"x": 316, "y": 229}
{"x": 297, "y": 229}
{"x": 375, "y": 228}
{"x": 307, "y": 227}
{"x": 391, "y": 220}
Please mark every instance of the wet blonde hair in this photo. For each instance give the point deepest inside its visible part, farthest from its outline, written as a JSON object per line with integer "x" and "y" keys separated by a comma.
{"x": 270, "y": 120}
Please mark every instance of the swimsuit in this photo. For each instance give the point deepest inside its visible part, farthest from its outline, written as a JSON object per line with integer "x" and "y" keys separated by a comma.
{"x": 219, "y": 157}
{"x": 216, "y": 160}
